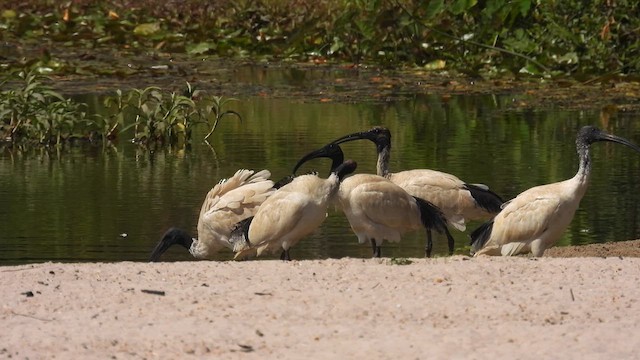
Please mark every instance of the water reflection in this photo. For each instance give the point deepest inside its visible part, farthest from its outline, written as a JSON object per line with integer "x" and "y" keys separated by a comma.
{"x": 111, "y": 204}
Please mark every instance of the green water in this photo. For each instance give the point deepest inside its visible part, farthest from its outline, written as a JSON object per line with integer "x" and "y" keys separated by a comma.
{"x": 113, "y": 203}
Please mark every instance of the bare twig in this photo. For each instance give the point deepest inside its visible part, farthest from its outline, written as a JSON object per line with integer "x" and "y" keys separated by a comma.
{"x": 31, "y": 316}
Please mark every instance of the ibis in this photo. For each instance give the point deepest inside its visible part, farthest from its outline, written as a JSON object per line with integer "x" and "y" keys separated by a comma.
{"x": 535, "y": 219}
{"x": 294, "y": 211}
{"x": 459, "y": 201}
{"x": 378, "y": 209}
{"x": 227, "y": 203}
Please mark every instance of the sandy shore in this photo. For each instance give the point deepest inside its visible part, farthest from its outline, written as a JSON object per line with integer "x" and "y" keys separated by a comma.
{"x": 444, "y": 308}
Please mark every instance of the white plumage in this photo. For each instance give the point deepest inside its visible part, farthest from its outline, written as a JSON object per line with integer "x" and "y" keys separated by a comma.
{"x": 378, "y": 209}
{"x": 293, "y": 212}
{"x": 230, "y": 201}
{"x": 536, "y": 219}
{"x": 459, "y": 201}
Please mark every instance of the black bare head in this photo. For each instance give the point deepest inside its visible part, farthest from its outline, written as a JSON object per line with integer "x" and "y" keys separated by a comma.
{"x": 171, "y": 237}
{"x": 381, "y": 136}
{"x": 331, "y": 151}
{"x": 346, "y": 168}
{"x": 590, "y": 134}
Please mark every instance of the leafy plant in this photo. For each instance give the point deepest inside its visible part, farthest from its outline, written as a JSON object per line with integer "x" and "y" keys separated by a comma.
{"x": 216, "y": 108}
{"x": 165, "y": 117}
{"x": 33, "y": 111}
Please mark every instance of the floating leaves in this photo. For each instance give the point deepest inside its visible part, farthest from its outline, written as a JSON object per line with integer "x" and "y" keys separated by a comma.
{"x": 201, "y": 48}
{"x": 146, "y": 29}
{"x": 507, "y": 34}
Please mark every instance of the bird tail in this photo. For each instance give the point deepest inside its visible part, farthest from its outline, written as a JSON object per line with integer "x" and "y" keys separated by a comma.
{"x": 480, "y": 236}
{"x": 485, "y": 198}
{"x": 431, "y": 216}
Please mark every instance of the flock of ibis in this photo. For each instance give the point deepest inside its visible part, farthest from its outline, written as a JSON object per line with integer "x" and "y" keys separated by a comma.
{"x": 251, "y": 215}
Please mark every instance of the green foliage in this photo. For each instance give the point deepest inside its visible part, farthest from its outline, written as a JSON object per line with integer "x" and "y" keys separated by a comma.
{"x": 216, "y": 109}
{"x": 165, "y": 117}
{"x": 400, "y": 261}
{"x": 477, "y": 37}
{"x": 33, "y": 111}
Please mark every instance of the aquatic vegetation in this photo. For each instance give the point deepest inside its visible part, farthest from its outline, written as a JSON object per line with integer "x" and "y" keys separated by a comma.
{"x": 31, "y": 112}
{"x": 216, "y": 108}
{"x": 34, "y": 112}
{"x": 489, "y": 38}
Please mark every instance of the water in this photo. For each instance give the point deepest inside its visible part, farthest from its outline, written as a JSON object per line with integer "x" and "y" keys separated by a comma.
{"x": 114, "y": 203}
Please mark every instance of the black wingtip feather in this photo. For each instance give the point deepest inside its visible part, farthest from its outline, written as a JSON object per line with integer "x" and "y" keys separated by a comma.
{"x": 480, "y": 236}
{"x": 485, "y": 198}
{"x": 432, "y": 217}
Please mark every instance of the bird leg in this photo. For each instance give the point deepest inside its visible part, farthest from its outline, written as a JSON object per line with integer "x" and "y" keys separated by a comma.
{"x": 284, "y": 256}
{"x": 450, "y": 242}
{"x": 377, "y": 252}
{"x": 429, "y": 246}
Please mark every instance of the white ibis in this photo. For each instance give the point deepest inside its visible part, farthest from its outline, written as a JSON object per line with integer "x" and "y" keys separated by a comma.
{"x": 229, "y": 202}
{"x": 537, "y": 218}
{"x": 379, "y": 210}
{"x": 291, "y": 213}
{"x": 459, "y": 201}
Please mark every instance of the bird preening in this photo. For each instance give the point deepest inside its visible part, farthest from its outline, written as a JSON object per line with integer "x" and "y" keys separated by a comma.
{"x": 251, "y": 215}
{"x": 291, "y": 213}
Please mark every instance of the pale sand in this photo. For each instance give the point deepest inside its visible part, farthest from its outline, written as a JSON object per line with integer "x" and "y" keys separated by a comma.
{"x": 443, "y": 308}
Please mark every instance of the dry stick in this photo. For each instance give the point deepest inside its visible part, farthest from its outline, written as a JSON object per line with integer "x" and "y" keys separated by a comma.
{"x": 153, "y": 292}
{"x": 30, "y": 316}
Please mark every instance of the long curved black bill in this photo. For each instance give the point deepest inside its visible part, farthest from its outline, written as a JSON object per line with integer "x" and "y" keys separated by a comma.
{"x": 171, "y": 237}
{"x": 619, "y": 140}
{"x": 355, "y": 136}
{"x": 331, "y": 151}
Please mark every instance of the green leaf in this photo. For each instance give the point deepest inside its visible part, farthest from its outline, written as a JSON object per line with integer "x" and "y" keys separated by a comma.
{"x": 146, "y": 29}
{"x": 9, "y": 14}
{"x": 434, "y": 8}
{"x": 200, "y": 48}
{"x": 460, "y": 6}
{"x": 525, "y": 5}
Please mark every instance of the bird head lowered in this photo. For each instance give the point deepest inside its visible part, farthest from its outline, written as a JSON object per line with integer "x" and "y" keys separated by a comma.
{"x": 379, "y": 135}
{"x": 331, "y": 151}
{"x": 171, "y": 237}
{"x": 344, "y": 169}
{"x": 590, "y": 134}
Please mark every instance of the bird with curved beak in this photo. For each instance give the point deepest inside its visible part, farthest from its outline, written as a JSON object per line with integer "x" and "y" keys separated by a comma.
{"x": 459, "y": 201}
{"x": 535, "y": 219}
{"x": 291, "y": 213}
{"x": 227, "y": 203}
{"x": 379, "y": 210}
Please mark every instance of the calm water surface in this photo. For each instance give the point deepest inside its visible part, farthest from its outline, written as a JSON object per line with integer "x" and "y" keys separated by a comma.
{"x": 114, "y": 203}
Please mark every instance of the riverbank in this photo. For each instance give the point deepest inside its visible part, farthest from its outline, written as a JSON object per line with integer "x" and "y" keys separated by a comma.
{"x": 451, "y": 307}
